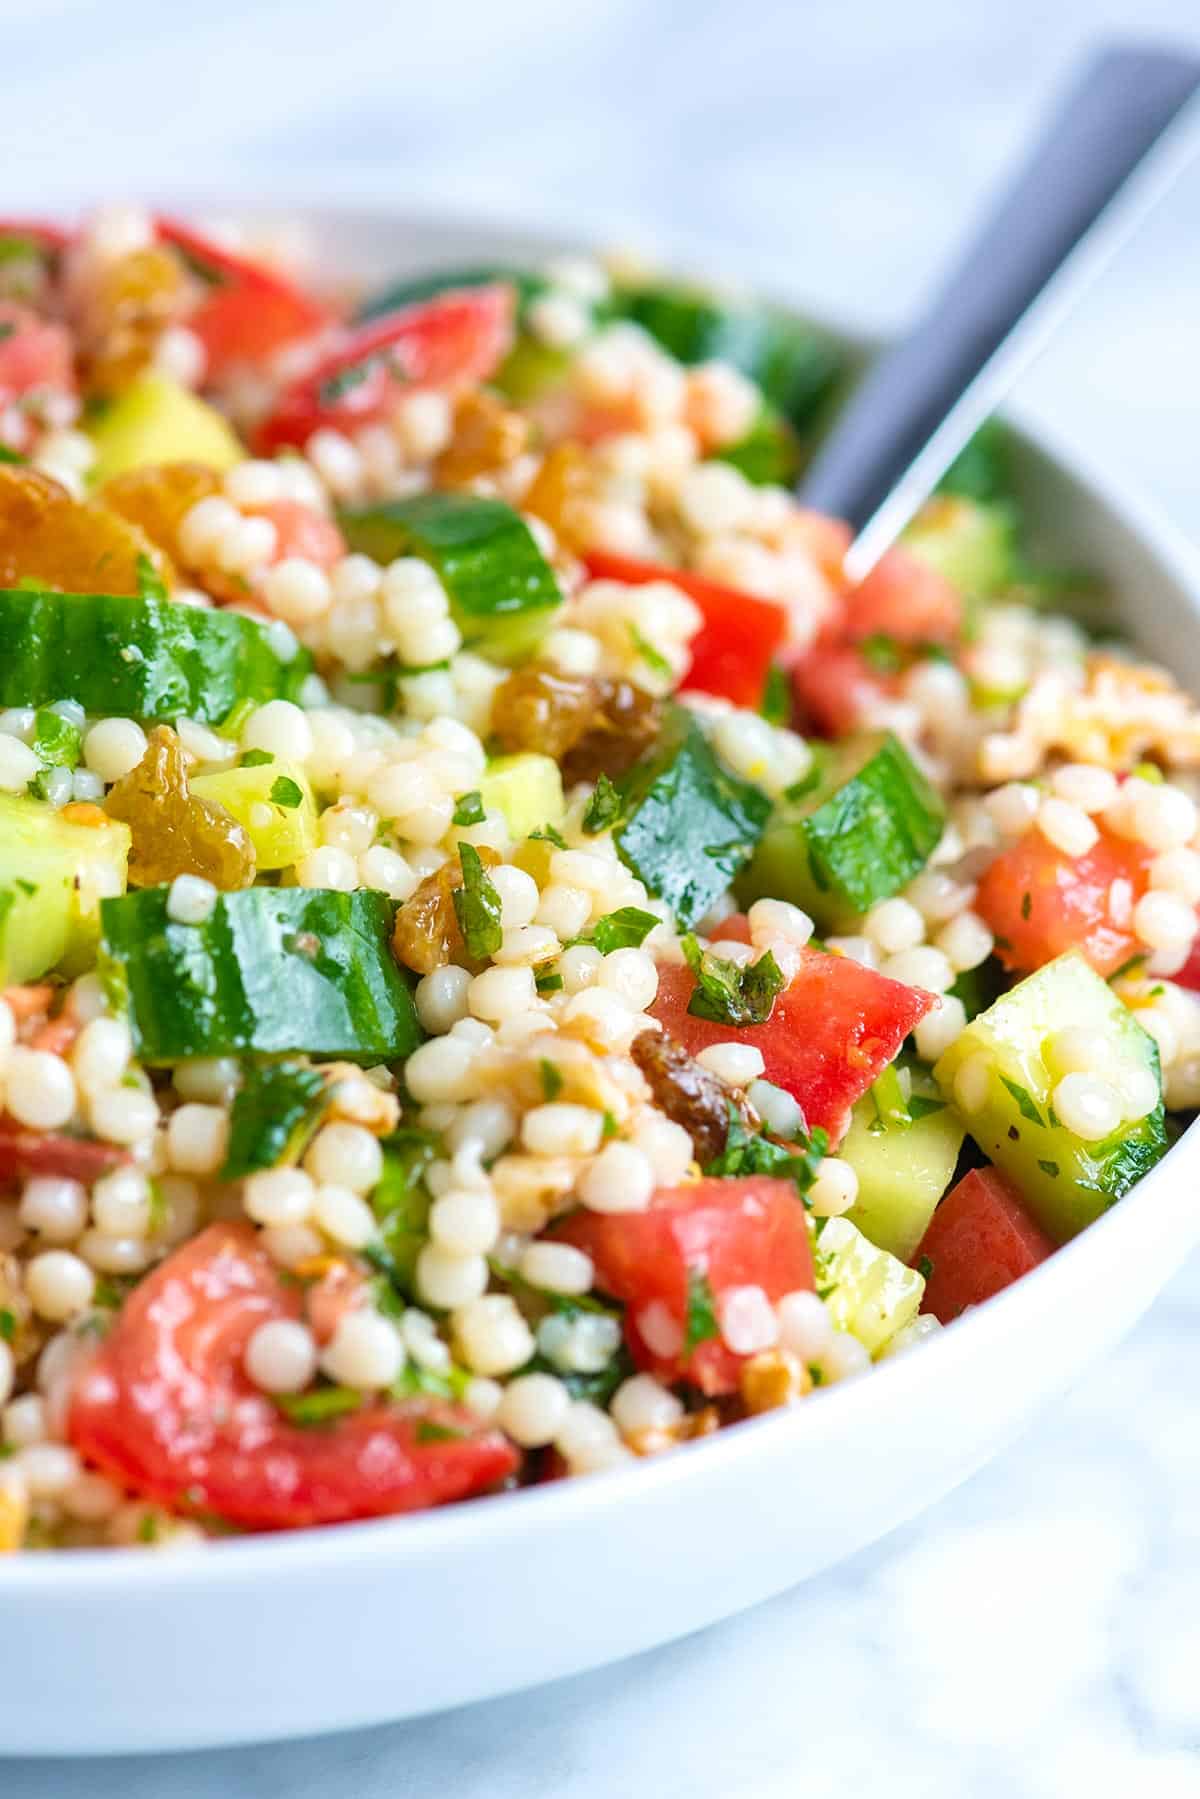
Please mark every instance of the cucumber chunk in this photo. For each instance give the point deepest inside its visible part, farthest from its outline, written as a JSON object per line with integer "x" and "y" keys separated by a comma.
{"x": 1065, "y": 1182}
{"x": 971, "y": 542}
{"x": 687, "y": 823}
{"x": 156, "y": 420}
{"x": 137, "y": 657}
{"x": 503, "y": 593}
{"x": 867, "y": 1291}
{"x": 769, "y": 454}
{"x": 272, "y": 971}
{"x": 902, "y": 1169}
{"x": 868, "y": 824}
{"x": 53, "y": 875}
{"x": 527, "y": 789}
{"x": 274, "y": 802}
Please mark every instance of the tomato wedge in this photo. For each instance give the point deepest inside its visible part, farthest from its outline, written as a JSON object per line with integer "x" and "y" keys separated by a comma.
{"x": 25, "y": 1153}
{"x": 740, "y": 636}
{"x": 831, "y": 1033}
{"x": 674, "y": 1265}
{"x": 1040, "y": 902}
{"x": 451, "y": 341}
{"x": 980, "y": 1240}
{"x": 165, "y": 1409}
{"x": 33, "y": 352}
{"x": 835, "y": 687}
{"x": 249, "y": 311}
{"x": 904, "y": 598}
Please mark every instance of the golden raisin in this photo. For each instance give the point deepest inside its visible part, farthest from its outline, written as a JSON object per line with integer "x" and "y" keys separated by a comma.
{"x": 426, "y": 934}
{"x": 557, "y": 493}
{"x": 773, "y": 1379}
{"x": 158, "y": 497}
{"x": 688, "y": 1094}
{"x": 77, "y": 546}
{"x": 590, "y": 724}
{"x": 174, "y": 831}
{"x": 129, "y": 302}
{"x": 487, "y": 436}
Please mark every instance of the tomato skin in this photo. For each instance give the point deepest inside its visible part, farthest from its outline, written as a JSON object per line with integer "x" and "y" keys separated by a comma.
{"x": 831, "y": 1033}
{"x": 165, "y": 1409}
{"x": 250, "y": 312}
{"x": 25, "y": 1153}
{"x": 302, "y": 531}
{"x": 1040, "y": 902}
{"x": 737, "y": 1233}
{"x": 740, "y": 636}
{"x": 834, "y": 688}
{"x": 1189, "y": 975}
{"x": 33, "y": 352}
{"x": 451, "y": 341}
{"x": 980, "y": 1239}
{"x": 905, "y": 598}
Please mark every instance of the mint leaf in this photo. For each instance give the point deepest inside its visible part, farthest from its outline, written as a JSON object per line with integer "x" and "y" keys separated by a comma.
{"x": 469, "y": 810}
{"x": 477, "y": 906}
{"x": 604, "y": 807}
{"x": 728, "y": 993}
{"x": 286, "y": 792}
{"x": 626, "y": 928}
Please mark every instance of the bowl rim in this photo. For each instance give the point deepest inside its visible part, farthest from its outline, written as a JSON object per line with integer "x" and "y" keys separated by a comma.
{"x": 312, "y": 1552}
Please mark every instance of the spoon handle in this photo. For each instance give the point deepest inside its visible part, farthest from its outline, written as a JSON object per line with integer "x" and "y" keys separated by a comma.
{"x": 1051, "y": 234}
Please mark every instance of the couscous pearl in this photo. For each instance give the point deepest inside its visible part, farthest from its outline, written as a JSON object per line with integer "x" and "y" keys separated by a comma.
{"x": 492, "y": 1336}
{"x": 965, "y": 942}
{"x": 54, "y": 1207}
{"x": 747, "y": 1319}
{"x": 834, "y": 1189}
{"x": 642, "y": 1404}
{"x": 123, "y": 1114}
{"x": 845, "y": 1358}
{"x": 1139, "y": 1089}
{"x": 601, "y": 1018}
{"x": 667, "y": 1147}
{"x": 441, "y": 1071}
{"x": 557, "y": 1268}
{"x": 297, "y": 590}
{"x": 1067, "y": 827}
{"x": 204, "y": 526}
{"x": 1084, "y": 785}
{"x": 18, "y": 765}
{"x": 213, "y": 1080}
{"x": 1164, "y": 921}
{"x": 858, "y": 949}
{"x": 632, "y": 975}
{"x": 101, "y": 1054}
{"x": 48, "y": 1469}
{"x": 114, "y": 746}
{"x": 533, "y": 1409}
{"x": 465, "y": 1222}
{"x": 1177, "y": 871}
{"x": 1013, "y": 808}
{"x": 562, "y": 1130}
{"x": 59, "y": 1284}
{"x": 197, "y": 1138}
{"x": 714, "y": 497}
{"x": 291, "y": 1245}
{"x": 190, "y": 900}
{"x": 1088, "y": 1106}
{"x": 281, "y": 729}
{"x": 737, "y": 1064}
{"x": 446, "y": 1280}
{"x": 278, "y": 1196}
{"x": 972, "y": 1083}
{"x": 365, "y": 1351}
{"x": 113, "y": 1255}
{"x": 8, "y": 1372}
{"x": 584, "y": 1429}
{"x": 281, "y": 1356}
{"x": 442, "y": 998}
{"x": 781, "y": 1114}
{"x": 345, "y": 1217}
{"x": 564, "y": 910}
{"x": 1078, "y": 1050}
{"x": 518, "y": 896}
{"x": 254, "y": 483}
{"x": 1163, "y": 817}
{"x": 621, "y": 1179}
{"x": 121, "y": 1204}
{"x": 489, "y": 1124}
{"x": 805, "y": 1327}
{"x": 328, "y": 867}
{"x": 345, "y": 1155}
{"x": 39, "y": 1088}
{"x": 91, "y": 1498}
{"x": 940, "y": 1027}
{"x": 24, "y": 1421}
{"x": 894, "y": 925}
{"x": 499, "y": 993}
{"x": 529, "y": 946}
{"x": 771, "y": 919}
{"x": 923, "y": 966}
{"x": 579, "y": 966}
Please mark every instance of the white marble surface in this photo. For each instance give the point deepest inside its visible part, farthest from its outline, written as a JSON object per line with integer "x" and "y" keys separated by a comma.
{"x": 1036, "y": 1633}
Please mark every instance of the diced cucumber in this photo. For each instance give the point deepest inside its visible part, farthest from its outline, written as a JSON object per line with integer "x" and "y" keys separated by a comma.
{"x": 54, "y": 873}
{"x": 156, "y": 420}
{"x": 902, "y": 1169}
{"x": 272, "y": 971}
{"x": 414, "y": 289}
{"x": 687, "y": 823}
{"x": 970, "y": 542}
{"x": 867, "y": 825}
{"x": 1065, "y": 1182}
{"x": 527, "y": 789}
{"x": 867, "y": 1291}
{"x": 769, "y": 454}
{"x": 137, "y": 657}
{"x": 503, "y": 593}
{"x": 274, "y": 802}
{"x": 983, "y": 470}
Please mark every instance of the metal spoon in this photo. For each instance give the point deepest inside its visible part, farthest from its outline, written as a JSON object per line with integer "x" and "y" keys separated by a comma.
{"x": 1113, "y": 147}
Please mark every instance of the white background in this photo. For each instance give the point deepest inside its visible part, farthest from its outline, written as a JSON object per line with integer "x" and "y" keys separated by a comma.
{"x": 1036, "y": 1634}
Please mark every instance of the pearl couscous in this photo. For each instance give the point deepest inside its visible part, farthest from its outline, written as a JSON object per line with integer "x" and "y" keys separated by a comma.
{"x": 509, "y": 961}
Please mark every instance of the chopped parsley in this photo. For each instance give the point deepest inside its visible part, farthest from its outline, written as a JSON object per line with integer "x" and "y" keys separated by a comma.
{"x": 323, "y": 1405}
{"x": 8, "y": 1325}
{"x": 1025, "y": 1101}
{"x": 728, "y": 993}
{"x": 286, "y": 792}
{"x": 654, "y": 659}
{"x": 604, "y": 807}
{"x": 922, "y": 1106}
{"x": 548, "y": 983}
{"x": 626, "y": 928}
{"x": 429, "y": 1431}
{"x": 255, "y": 758}
{"x": 749, "y": 1152}
{"x": 702, "y": 1323}
{"x": 924, "y": 1267}
{"x": 551, "y": 1078}
{"x": 548, "y": 834}
{"x": 881, "y": 653}
{"x": 1050, "y": 1168}
{"x": 477, "y": 906}
{"x": 776, "y": 705}
{"x": 469, "y": 810}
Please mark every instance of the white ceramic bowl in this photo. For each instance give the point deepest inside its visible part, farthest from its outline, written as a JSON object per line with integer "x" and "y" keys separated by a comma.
{"x": 279, "y": 1636}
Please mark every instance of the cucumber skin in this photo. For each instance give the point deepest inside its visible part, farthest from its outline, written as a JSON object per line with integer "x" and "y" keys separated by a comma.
{"x": 119, "y": 655}
{"x": 689, "y": 823}
{"x": 248, "y": 980}
{"x": 502, "y": 591}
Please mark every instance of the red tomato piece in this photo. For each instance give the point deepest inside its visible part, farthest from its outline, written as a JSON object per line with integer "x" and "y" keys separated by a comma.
{"x": 43, "y": 232}
{"x": 250, "y": 311}
{"x": 740, "y": 636}
{"x": 980, "y": 1239}
{"x": 734, "y": 1233}
{"x": 905, "y": 598}
{"x": 451, "y": 341}
{"x": 302, "y": 531}
{"x": 25, "y": 1153}
{"x": 1039, "y": 902}
{"x": 1189, "y": 974}
{"x": 166, "y": 1409}
{"x": 834, "y": 687}
{"x": 33, "y": 352}
{"x": 831, "y": 1033}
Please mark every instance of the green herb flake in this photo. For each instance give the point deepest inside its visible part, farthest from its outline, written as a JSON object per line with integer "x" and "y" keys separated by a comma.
{"x": 604, "y": 807}
{"x": 776, "y": 705}
{"x": 477, "y": 906}
{"x": 150, "y": 583}
{"x": 469, "y": 810}
{"x": 548, "y": 983}
{"x": 749, "y": 1152}
{"x": 548, "y": 834}
{"x": 921, "y": 1106}
{"x": 324, "y": 1405}
{"x": 702, "y": 1323}
{"x": 274, "y": 1113}
{"x": 728, "y": 993}
{"x": 924, "y": 1267}
{"x": 654, "y": 659}
{"x": 552, "y": 1081}
{"x": 255, "y": 759}
{"x": 881, "y": 653}
{"x": 286, "y": 792}
{"x": 1024, "y": 1099}
{"x": 27, "y": 887}
{"x": 147, "y": 1530}
{"x": 428, "y": 1431}
{"x": 8, "y": 1325}
{"x": 1026, "y": 904}
{"x": 1050, "y": 1168}
{"x": 626, "y": 928}
{"x": 609, "y": 1127}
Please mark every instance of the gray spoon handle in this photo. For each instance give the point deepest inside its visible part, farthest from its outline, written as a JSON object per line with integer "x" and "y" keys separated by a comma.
{"x": 1068, "y": 210}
